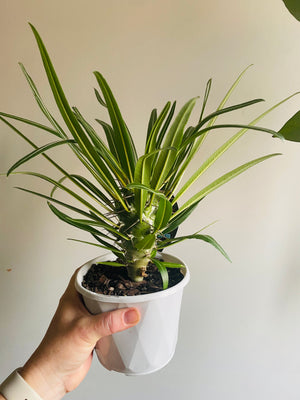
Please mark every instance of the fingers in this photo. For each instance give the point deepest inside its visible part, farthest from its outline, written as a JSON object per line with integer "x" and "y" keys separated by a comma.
{"x": 111, "y": 322}
{"x": 94, "y": 327}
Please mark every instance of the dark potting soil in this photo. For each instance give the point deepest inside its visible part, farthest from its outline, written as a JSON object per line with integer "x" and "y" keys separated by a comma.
{"x": 109, "y": 280}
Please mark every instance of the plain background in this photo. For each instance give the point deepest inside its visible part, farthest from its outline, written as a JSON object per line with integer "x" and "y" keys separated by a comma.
{"x": 240, "y": 329}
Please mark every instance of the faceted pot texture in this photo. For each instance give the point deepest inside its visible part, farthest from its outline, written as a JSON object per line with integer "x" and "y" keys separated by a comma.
{"x": 148, "y": 346}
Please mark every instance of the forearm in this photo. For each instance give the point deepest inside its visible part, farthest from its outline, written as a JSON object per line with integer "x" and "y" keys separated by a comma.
{"x": 1, "y": 397}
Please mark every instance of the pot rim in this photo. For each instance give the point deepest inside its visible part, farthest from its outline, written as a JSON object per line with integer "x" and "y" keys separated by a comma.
{"x": 128, "y": 299}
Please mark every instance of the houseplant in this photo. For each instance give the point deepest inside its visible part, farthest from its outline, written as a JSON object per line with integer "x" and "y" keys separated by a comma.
{"x": 128, "y": 203}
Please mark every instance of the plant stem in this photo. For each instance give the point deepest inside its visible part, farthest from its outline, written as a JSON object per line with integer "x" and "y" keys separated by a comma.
{"x": 136, "y": 270}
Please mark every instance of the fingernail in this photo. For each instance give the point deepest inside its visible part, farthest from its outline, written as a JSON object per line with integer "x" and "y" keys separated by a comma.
{"x": 131, "y": 317}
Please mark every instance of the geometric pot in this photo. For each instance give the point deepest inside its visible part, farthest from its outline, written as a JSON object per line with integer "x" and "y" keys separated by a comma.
{"x": 148, "y": 346}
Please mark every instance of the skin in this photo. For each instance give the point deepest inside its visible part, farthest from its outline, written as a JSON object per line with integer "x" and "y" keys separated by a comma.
{"x": 64, "y": 356}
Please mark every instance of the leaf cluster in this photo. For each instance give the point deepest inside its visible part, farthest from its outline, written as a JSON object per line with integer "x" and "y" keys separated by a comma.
{"x": 129, "y": 203}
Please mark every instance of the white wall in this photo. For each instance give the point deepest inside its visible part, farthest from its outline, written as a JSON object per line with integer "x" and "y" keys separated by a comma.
{"x": 240, "y": 328}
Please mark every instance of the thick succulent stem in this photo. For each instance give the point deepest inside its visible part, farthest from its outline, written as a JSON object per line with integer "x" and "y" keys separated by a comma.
{"x": 137, "y": 269}
{"x": 138, "y": 250}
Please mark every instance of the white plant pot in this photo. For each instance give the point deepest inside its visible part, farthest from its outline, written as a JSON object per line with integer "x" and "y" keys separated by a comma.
{"x": 148, "y": 346}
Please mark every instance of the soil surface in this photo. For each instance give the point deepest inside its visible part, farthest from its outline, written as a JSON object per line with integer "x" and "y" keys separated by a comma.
{"x": 109, "y": 280}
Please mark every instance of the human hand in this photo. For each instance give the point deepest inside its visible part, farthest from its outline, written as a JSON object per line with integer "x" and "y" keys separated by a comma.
{"x": 64, "y": 356}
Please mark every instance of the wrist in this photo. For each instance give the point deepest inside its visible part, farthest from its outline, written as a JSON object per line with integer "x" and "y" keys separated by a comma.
{"x": 44, "y": 383}
{"x": 15, "y": 387}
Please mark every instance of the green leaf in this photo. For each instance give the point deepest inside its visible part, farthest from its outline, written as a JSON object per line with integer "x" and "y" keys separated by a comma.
{"x": 72, "y": 221}
{"x": 244, "y": 127}
{"x": 142, "y": 174}
{"x": 41, "y": 104}
{"x": 69, "y": 191}
{"x": 232, "y": 88}
{"x": 122, "y": 138}
{"x": 152, "y": 119}
{"x": 87, "y": 225}
{"x": 196, "y": 145}
{"x": 173, "y": 139}
{"x": 146, "y": 243}
{"x": 99, "y": 98}
{"x": 205, "y": 238}
{"x": 205, "y": 98}
{"x": 112, "y": 249}
{"x": 294, "y": 7}
{"x": 74, "y": 126}
{"x": 103, "y": 151}
{"x": 148, "y": 189}
{"x": 54, "y": 200}
{"x": 94, "y": 189}
{"x": 165, "y": 126}
{"x": 109, "y": 133}
{"x": 105, "y": 243}
{"x": 221, "y": 150}
{"x": 32, "y": 123}
{"x": 111, "y": 263}
{"x": 37, "y": 152}
{"x": 291, "y": 129}
{"x": 221, "y": 181}
{"x": 163, "y": 272}
{"x": 152, "y": 138}
{"x": 179, "y": 218}
{"x": 171, "y": 265}
{"x": 57, "y": 128}
{"x": 163, "y": 214}
{"x": 226, "y": 110}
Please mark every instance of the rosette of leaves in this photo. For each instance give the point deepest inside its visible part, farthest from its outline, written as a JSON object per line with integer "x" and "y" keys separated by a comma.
{"x": 125, "y": 201}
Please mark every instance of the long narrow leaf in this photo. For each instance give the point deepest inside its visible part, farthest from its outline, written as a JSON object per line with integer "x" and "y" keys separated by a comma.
{"x": 63, "y": 171}
{"x": 71, "y": 221}
{"x": 163, "y": 272}
{"x": 60, "y": 131}
{"x": 111, "y": 263}
{"x": 144, "y": 187}
{"x": 205, "y": 238}
{"x": 109, "y": 248}
{"x": 87, "y": 225}
{"x": 179, "y": 218}
{"x": 95, "y": 190}
{"x": 165, "y": 126}
{"x": 69, "y": 191}
{"x": 173, "y": 139}
{"x": 152, "y": 119}
{"x": 142, "y": 174}
{"x": 197, "y": 144}
{"x": 36, "y": 152}
{"x": 123, "y": 140}
{"x": 41, "y": 104}
{"x": 99, "y": 98}
{"x": 72, "y": 123}
{"x": 221, "y": 150}
{"x": 32, "y": 123}
{"x": 221, "y": 181}
{"x": 205, "y": 98}
{"x": 61, "y": 203}
{"x": 163, "y": 214}
{"x": 152, "y": 138}
{"x": 109, "y": 133}
{"x": 225, "y": 111}
{"x": 103, "y": 151}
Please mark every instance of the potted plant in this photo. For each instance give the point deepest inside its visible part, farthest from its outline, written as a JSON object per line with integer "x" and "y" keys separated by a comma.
{"x": 132, "y": 207}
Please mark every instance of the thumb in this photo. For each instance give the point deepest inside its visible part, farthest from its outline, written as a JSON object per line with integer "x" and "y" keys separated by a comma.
{"x": 111, "y": 322}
